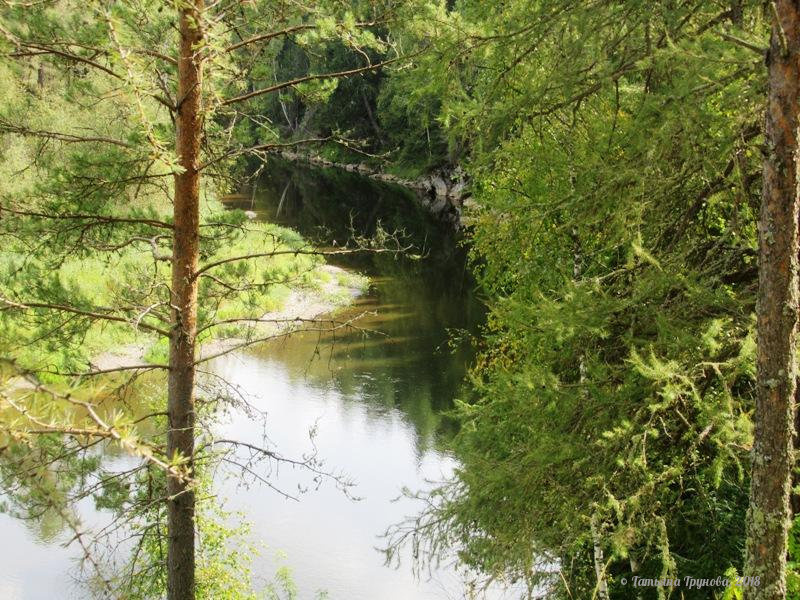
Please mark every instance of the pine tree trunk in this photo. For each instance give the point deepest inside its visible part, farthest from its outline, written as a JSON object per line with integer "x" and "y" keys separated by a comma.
{"x": 180, "y": 437}
{"x": 371, "y": 117}
{"x": 769, "y": 515}
{"x": 601, "y": 588}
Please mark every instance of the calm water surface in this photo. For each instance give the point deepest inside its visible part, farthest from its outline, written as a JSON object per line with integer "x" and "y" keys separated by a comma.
{"x": 375, "y": 402}
{"x": 369, "y": 406}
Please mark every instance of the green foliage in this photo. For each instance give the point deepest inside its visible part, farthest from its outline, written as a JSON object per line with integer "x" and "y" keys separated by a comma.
{"x": 613, "y": 154}
{"x": 223, "y": 554}
{"x": 733, "y": 591}
{"x": 99, "y": 280}
{"x": 615, "y": 175}
{"x": 387, "y": 117}
{"x": 793, "y": 564}
{"x": 87, "y": 158}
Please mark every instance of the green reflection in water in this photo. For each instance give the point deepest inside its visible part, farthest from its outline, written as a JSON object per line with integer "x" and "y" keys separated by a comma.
{"x": 408, "y": 364}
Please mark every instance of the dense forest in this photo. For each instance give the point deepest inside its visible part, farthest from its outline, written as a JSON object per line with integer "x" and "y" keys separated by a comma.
{"x": 621, "y": 174}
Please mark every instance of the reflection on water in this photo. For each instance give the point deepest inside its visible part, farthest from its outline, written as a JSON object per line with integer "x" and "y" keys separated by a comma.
{"x": 329, "y": 539}
{"x": 40, "y": 559}
{"x": 375, "y": 401}
{"x": 35, "y": 569}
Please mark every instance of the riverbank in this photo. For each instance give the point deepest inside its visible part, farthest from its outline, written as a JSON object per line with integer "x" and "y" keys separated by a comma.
{"x": 336, "y": 288}
{"x": 259, "y": 279}
{"x": 374, "y": 405}
{"x": 443, "y": 194}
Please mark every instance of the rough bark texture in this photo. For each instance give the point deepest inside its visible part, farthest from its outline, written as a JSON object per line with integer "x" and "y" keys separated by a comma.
{"x": 180, "y": 438}
{"x": 769, "y": 515}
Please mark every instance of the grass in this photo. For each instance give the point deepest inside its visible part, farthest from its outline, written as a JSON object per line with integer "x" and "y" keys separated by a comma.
{"x": 131, "y": 277}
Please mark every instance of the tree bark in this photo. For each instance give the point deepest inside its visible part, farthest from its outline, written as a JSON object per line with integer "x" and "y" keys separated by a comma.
{"x": 180, "y": 436}
{"x": 601, "y": 587}
{"x": 769, "y": 514}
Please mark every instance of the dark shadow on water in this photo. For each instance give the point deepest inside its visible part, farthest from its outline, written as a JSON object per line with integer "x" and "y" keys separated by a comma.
{"x": 413, "y": 365}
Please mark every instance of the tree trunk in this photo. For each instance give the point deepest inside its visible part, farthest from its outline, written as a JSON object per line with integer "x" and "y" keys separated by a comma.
{"x": 736, "y": 13}
{"x": 769, "y": 515}
{"x": 180, "y": 437}
{"x": 601, "y": 587}
{"x": 371, "y": 117}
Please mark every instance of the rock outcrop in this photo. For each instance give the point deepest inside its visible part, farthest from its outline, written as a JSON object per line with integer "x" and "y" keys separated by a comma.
{"x": 443, "y": 193}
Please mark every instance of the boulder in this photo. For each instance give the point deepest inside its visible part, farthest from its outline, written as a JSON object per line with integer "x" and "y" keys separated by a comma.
{"x": 439, "y": 204}
{"x": 439, "y": 185}
{"x": 458, "y": 190}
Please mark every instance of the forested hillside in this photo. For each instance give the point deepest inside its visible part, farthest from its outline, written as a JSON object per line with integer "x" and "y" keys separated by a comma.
{"x": 629, "y": 205}
{"x": 615, "y": 164}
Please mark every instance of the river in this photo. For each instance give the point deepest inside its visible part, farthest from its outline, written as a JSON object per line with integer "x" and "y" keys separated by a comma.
{"x": 370, "y": 406}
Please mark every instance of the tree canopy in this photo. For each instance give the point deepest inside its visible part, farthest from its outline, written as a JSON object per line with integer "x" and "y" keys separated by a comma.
{"x": 617, "y": 168}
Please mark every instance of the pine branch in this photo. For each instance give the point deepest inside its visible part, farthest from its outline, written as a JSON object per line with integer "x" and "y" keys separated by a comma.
{"x": 93, "y": 314}
{"x": 298, "y": 252}
{"x": 268, "y": 36}
{"x": 106, "y": 219}
{"x": 332, "y": 75}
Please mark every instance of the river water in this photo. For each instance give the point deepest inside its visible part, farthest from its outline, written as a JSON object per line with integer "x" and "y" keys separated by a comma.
{"x": 375, "y": 402}
{"x": 369, "y": 406}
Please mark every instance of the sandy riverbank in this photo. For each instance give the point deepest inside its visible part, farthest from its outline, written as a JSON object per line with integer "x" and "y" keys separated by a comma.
{"x": 301, "y": 306}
